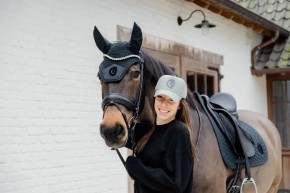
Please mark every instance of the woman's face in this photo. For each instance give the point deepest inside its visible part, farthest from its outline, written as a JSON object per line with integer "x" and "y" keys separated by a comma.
{"x": 165, "y": 109}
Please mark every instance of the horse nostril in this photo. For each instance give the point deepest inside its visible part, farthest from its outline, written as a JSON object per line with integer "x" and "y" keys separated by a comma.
{"x": 119, "y": 130}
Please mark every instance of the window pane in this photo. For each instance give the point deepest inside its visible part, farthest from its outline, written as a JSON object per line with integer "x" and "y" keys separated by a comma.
{"x": 210, "y": 85}
{"x": 280, "y": 120}
{"x": 190, "y": 79}
{"x": 201, "y": 83}
{"x": 278, "y": 91}
{"x": 279, "y": 113}
{"x": 286, "y": 132}
{"x": 288, "y": 90}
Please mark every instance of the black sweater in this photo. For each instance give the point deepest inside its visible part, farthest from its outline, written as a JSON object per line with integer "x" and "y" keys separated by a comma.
{"x": 165, "y": 165}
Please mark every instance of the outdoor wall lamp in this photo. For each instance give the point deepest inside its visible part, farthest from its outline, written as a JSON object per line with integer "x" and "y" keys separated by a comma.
{"x": 204, "y": 25}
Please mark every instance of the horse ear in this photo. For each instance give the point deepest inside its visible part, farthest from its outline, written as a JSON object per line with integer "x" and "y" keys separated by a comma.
{"x": 136, "y": 39}
{"x": 101, "y": 42}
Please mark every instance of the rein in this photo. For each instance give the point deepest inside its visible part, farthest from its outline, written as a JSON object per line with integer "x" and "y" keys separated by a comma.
{"x": 199, "y": 128}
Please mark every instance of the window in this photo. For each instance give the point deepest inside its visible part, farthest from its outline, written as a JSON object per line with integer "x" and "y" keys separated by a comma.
{"x": 201, "y": 83}
{"x": 199, "y": 77}
{"x": 279, "y": 105}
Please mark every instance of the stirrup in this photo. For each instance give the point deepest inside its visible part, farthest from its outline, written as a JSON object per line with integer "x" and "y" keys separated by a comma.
{"x": 248, "y": 181}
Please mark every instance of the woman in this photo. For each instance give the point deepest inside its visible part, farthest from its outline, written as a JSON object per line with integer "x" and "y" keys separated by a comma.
{"x": 164, "y": 156}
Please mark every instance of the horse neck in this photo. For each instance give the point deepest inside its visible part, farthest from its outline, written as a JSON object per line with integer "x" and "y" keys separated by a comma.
{"x": 148, "y": 110}
{"x": 195, "y": 116}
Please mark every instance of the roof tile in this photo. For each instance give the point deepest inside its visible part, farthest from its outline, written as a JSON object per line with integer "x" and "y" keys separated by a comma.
{"x": 286, "y": 24}
{"x": 281, "y": 5}
{"x": 244, "y": 3}
{"x": 270, "y": 64}
{"x": 272, "y": 1}
{"x": 287, "y": 5}
{"x": 270, "y": 13}
{"x": 253, "y": 5}
{"x": 279, "y": 16}
{"x": 262, "y": 2}
{"x": 287, "y": 14}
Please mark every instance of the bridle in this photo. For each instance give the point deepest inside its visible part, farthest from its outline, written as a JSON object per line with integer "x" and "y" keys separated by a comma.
{"x": 135, "y": 106}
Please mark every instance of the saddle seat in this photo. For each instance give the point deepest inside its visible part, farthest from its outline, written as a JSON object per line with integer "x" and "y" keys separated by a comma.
{"x": 226, "y": 101}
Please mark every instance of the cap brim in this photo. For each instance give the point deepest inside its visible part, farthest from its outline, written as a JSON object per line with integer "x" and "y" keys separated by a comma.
{"x": 172, "y": 95}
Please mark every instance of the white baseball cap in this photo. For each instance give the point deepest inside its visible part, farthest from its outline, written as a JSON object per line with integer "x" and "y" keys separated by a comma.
{"x": 172, "y": 86}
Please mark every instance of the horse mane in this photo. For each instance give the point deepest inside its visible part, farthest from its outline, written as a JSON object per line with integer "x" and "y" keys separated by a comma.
{"x": 154, "y": 68}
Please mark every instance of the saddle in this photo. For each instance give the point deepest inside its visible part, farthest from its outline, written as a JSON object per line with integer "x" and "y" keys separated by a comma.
{"x": 223, "y": 109}
{"x": 240, "y": 144}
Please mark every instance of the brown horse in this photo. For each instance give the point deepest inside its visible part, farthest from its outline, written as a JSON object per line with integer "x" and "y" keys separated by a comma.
{"x": 128, "y": 77}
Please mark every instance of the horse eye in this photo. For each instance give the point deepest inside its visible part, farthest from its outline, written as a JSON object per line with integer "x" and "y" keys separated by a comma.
{"x": 135, "y": 74}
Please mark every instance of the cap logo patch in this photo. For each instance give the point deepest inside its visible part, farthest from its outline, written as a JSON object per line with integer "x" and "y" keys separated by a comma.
{"x": 170, "y": 83}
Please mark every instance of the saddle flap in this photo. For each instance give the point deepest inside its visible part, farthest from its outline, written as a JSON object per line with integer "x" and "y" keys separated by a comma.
{"x": 248, "y": 147}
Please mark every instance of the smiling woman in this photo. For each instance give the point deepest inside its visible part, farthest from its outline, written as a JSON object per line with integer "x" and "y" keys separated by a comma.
{"x": 164, "y": 156}
{"x": 168, "y": 93}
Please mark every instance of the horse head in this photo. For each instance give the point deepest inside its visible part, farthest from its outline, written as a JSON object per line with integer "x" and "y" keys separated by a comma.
{"x": 121, "y": 77}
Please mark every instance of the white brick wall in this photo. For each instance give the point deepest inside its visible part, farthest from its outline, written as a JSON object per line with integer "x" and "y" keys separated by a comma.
{"x": 50, "y": 96}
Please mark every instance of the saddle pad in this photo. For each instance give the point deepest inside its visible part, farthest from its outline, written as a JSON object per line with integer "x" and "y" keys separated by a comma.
{"x": 228, "y": 154}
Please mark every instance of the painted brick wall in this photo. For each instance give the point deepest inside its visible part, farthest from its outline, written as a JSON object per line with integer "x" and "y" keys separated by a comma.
{"x": 50, "y": 97}
{"x": 50, "y": 101}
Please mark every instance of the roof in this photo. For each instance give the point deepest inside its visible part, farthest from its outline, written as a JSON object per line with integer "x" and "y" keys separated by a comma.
{"x": 276, "y": 11}
{"x": 271, "y": 18}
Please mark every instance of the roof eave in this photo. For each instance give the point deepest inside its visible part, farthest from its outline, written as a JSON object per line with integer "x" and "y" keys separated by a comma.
{"x": 237, "y": 9}
{"x": 243, "y": 16}
{"x": 260, "y": 72}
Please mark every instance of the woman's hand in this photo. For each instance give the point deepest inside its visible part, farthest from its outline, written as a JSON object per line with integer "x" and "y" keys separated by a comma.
{"x": 130, "y": 162}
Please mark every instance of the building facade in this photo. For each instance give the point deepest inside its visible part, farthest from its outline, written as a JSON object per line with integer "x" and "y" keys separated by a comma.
{"x": 50, "y": 96}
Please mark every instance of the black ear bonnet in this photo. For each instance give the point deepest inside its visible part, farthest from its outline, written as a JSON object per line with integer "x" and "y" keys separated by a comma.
{"x": 118, "y": 56}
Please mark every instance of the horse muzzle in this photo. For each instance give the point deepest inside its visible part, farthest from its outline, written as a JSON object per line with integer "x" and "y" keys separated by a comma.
{"x": 115, "y": 124}
{"x": 114, "y": 136}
